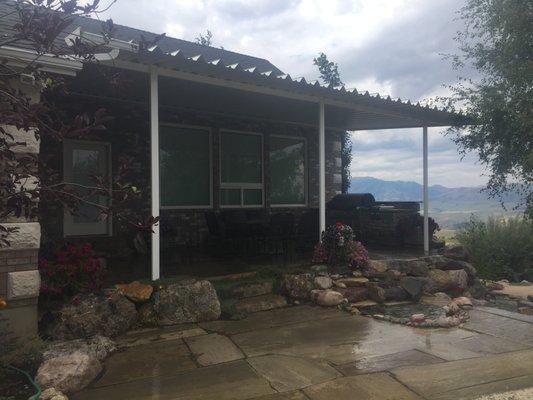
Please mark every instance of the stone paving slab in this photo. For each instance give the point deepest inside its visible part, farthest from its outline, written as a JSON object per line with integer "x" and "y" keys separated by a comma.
{"x": 380, "y": 386}
{"x": 151, "y": 360}
{"x": 273, "y": 318}
{"x": 287, "y": 373}
{"x": 508, "y": 389}
{"x": 213, "y": 349}
{"x": 158, "y": 335}
{"x": 231, "y": 381}
{"x": 284, "y": 396}
{"x": 388, "y": 362}
{"x": 508, "y": 314}
{"x": 496, "y": 325}
{"x": 434, "y": 381}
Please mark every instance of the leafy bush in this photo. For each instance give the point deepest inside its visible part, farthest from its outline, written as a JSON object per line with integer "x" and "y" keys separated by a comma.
{"x": 70, "y": 269}
{"x": 500, "y": 248}
{"x": 338, "y": 248}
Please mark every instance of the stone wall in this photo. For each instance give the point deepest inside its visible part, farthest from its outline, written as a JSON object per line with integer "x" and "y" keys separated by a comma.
{"x": 19, "y": 277}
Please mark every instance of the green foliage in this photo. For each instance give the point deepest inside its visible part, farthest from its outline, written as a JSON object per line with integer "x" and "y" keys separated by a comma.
{"x": 204, "y": 40}
{"x": 497, "y": 43}
{"x": 500, "y": 248}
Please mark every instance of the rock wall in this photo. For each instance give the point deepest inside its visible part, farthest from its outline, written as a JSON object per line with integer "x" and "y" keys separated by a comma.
{"x": 19, "y": 277}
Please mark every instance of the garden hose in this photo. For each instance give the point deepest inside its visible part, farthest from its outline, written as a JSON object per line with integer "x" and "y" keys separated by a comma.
{"x": 37, "y": 388}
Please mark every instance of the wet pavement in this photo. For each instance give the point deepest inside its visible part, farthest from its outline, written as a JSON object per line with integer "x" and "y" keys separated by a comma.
{"x": 316, "y": 353}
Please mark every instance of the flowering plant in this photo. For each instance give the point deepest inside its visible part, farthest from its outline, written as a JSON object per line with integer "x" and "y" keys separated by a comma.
{"x": 70, "y": 269}
{"x": 338, "y": 248}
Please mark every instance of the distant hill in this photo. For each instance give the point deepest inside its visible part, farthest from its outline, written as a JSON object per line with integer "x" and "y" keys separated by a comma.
{"x": 449, "y": 206}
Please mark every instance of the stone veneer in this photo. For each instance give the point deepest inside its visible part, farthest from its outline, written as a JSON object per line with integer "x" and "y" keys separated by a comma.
{"x": 19, "y": 276}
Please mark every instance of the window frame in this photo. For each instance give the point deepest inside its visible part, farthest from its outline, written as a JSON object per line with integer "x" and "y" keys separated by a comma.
{"x": 69, "y": 145}
{"x": 306, "y": 174}
{"x": 210, "y": 136}
{"x": 242, "y": 185}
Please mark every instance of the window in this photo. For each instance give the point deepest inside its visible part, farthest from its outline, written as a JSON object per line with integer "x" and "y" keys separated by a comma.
{"x": 241, "y": 169}
{"x": 81, "y": 162}
{"x": 185, "y": 167}
{"x": 287, "y": 171}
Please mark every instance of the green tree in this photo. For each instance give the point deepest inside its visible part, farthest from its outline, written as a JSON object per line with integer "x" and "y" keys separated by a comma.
{"x": 329, "y": 73}
{"x": 204, "y": 40}
{"x": 497, "y": 44}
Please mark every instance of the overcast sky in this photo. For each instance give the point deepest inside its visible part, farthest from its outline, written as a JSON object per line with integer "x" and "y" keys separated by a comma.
{"x": 393, "y": 47}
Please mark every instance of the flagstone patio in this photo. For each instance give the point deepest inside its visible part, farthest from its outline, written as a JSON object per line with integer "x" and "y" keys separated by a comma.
{"x": 316, "y": 353}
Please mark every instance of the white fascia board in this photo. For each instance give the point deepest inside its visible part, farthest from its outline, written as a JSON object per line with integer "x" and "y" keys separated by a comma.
{"x": 18, "y": 57}
{"x": 97, "y": 39}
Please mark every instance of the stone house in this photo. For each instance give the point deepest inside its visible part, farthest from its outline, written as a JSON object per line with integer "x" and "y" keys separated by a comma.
{"x": 208, "y": 129}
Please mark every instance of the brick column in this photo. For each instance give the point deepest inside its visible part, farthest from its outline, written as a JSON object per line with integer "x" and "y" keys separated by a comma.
{"x": 19, "y": 276}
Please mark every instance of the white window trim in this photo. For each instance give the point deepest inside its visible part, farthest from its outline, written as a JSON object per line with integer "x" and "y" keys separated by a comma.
{"x": 67, "y": 145}
{"x": 210, "y": 133}
{"x": 306, "y": 174}
{"x": 242, "y": 185}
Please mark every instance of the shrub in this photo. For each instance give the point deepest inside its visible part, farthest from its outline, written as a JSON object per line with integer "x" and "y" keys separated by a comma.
{"x": 338, "y": 248}
{"x": 500, "y": 248}
{"x": 70, "y": 269}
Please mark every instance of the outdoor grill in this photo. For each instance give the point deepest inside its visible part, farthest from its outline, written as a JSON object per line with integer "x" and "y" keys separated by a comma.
{"x": 381, "y": 223}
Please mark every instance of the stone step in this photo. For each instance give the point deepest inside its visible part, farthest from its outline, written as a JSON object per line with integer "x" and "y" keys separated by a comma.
{"x": 260, "y": 303}
{"x": 246, "y": 290}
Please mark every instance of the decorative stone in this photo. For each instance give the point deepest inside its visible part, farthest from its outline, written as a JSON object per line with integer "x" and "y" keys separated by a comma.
{"x": 376, "y": 293}
{"x": 438, "y": 299}
{"x": 459, "y": 280}
{"x": 69, "y": 373}
{"x": 439, "y": 281}
{"x": 353, "y": 294}
{"x": 96, "y": 346}
{"x": 186, "y": 302}
{"x": 525, "y": 310}
{"x": 52, "y": 394}
{"x": 463, "y": 301}
{"x": 417, "y": 318}
{"x": 353, "y": 282}
{"x": 323, "y": 282}
{"x": 319, "y": 269}
{"x": 260, "y": 303}
{"x": 27, "y": 235}
{"x": 414, "y": 286}
{"x": 457, "y": 252}
{"x": 23, "y": 284}
{"x": 251, "y": 289}
{"x": 297, "y": 286}
{"x": 327, "y": 298}
{"x": 452, "y": 309}
{"x": 135, "y": 291}
{"x": 376, "y": 268}
{"x": 396, "y": 294}
{"x": 107, "y": 314}
{"x": 339, "y": 284}
{"x": 495, "y": 286}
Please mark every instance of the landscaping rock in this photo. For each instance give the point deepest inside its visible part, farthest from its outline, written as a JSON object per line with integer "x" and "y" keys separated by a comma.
{"x": 495, "y": 286}
{"x": 457, "y": 252}
{"x": 297, "y": 286}
{"x": 353, "y": 294}
{"x": 375, "y": 269}
{"x": 446, "y": 264}
{"x": 459, "y": 281}
{"x": 353, "y": 282}
{"x": 260, "y": 303}
{"x": 245, "y": 290}
{"x": 339, "y": 284}
{"x": 439, "y": 280}
{"x": 452, "y": 309}
{"x": 319, "y": 269}
{"x": 147, "y": 315}
{"x": 525, "y": 310}
{"x": 97, "y": 346}
{"x": 463, "y": 301}
{"x": 477, "y": 289}
{"x": 186, "y": 301}
{"x": 376, "y": 293}
{"x": 135, "y": 291}
{"x": 417, "y": 318}
{"x": 108, "y": 314}
{"x": 396, "y": 294}
{"x": 323, "y": 282}
{"x": 69, "y": 373}
{"x": 414, "y": 267}
{"x": 52, "y": 394}
{"x": 327, "y": 298}
{"x": 414, "y": 286}
{"x": 438, "y": 299}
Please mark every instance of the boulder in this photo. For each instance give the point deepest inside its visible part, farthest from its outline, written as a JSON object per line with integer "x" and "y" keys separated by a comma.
{"x": 353, "y": 281}
{"x": 414, "y": 286}
{"x": 97, "y": 346}
{"x": 260, "y": 303}
{"x": 376, "y": 293}
{"x": 438, "y": 299}
{"x": 457, "y": 252}
{"x": 108, "y": 314}
{"x": 495, "y": 286}
{"x": 69, "y": 373}
{"x": 353, "y": 294}
{"x": 297, "y": 286}
{"x": 459, "y": 281}
{"x": 327, "y": 298}
{"x": 186, "y": 301}
{"x": 135, "y": 291}
{"x": 463, "y": 301}
{"x": 323, "y": 282}
{"x": 446, "y": 264}
{"x": 245, "y": 290}
{"x": 375, "y": 269}
{"x": 439, "y": 281}
{"x": 477, "y": 289}
{"x": 413, "y": 267}
{"x": 52, "y": 394}
{"x": 452, "y": 309}
{"x": 396, "y": 294}
{"x": 417, "y": 318}
{"x": 525, "y": 310}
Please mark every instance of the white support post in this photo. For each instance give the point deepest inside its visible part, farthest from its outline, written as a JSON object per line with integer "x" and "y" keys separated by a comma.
{"x": 154, "y": 169}
{"x": 426, "y": 194}
{"x": 322, "y": 168}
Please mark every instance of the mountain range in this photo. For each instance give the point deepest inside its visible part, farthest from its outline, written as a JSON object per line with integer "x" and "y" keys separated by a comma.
{"x": 449, "y": 206}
